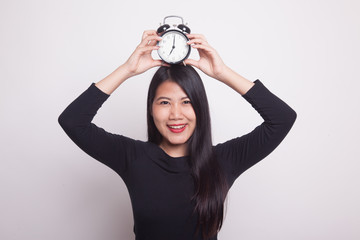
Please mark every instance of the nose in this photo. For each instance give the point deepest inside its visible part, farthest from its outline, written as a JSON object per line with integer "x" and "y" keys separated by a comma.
{"x": 175, "y": 112}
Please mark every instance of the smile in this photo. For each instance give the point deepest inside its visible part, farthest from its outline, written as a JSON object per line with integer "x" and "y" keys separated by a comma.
{"x": 177, "y": 128}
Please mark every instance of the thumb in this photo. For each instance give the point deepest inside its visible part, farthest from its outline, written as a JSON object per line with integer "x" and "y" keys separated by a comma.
{"x": 159, "y": 63}
{"x": 192, "y": 63}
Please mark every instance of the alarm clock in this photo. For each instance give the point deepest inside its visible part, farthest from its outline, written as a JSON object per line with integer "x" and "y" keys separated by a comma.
{"x": 173, "y": 46}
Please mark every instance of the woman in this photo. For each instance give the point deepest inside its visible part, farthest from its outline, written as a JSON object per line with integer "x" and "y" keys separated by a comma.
{"x": 177, "y": 181}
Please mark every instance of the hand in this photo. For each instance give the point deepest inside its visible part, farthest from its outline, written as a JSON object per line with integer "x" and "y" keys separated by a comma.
{"x": 210, "y": 62}
{"x": 141, "y": 59}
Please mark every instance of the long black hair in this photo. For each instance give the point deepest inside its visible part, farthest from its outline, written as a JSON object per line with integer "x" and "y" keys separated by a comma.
{"x": 209, "y": 180}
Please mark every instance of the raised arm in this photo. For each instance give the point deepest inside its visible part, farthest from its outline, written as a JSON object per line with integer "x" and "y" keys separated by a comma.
{"x": 237, "y": 155}
{"x": 76, "y": 120}
{"x": 139, "y": 62}
{"x": 211, "y": 64}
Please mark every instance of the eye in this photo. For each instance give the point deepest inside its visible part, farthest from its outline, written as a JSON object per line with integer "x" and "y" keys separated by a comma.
{"x": 187, "y": 102}
{"x": 164, "y": 102}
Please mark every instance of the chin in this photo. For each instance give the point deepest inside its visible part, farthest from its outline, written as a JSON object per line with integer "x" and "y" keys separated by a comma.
{"x": 178, "y": 141}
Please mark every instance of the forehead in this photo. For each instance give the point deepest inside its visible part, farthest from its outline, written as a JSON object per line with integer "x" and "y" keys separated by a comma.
{"x": 170, "y": 89}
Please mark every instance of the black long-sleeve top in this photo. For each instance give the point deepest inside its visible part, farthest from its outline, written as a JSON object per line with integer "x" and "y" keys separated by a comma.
{"x": 160, "y": 186}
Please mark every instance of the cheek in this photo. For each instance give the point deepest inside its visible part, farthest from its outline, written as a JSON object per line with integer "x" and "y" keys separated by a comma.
{"x": 158, "y": 114}
{"x": 191, "y": 115}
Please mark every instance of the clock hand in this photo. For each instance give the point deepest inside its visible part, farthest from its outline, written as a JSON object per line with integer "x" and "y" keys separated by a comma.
{"x": 172, "y": 46}
{"x": 172, "y": 49}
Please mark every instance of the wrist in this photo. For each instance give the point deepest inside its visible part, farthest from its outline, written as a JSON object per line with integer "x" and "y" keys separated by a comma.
{"x": 224, "y": 73}
{"x": 235, "y": 80}
{"x": 113, "y": 80}
{"x": 125, "y": 71}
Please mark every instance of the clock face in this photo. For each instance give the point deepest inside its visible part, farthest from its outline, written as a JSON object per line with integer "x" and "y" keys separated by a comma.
{"x": 173, "y": 48}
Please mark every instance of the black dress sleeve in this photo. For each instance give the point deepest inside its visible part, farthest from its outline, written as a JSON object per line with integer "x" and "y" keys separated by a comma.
{"x": 239, "y": 154}
{"x": 113, "y": 150}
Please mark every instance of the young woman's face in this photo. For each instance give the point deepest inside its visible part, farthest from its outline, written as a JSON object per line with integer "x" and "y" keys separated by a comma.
{"x": 173, "y": 115}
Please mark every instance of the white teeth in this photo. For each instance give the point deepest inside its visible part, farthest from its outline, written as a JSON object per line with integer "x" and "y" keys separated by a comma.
{"x": 177, "y": 127}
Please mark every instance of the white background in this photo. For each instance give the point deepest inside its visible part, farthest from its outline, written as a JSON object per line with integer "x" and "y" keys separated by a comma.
{"x": 306, "y": 52}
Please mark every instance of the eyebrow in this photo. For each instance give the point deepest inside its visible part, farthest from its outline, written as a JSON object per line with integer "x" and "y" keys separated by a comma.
{"x": 167, "y": 98}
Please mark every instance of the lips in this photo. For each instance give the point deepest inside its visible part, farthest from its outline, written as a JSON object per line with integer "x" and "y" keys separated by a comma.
{"x": 177, "y": 128}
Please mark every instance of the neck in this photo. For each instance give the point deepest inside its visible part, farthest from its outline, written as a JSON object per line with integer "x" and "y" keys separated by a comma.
{"x": 174, "y": 150}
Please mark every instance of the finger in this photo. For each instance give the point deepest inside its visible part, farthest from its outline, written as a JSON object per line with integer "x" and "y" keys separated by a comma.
{"x": 148, "y": 49}
{"x": 203, "y": 47}
{"x": 199, "y": 36}
{"x": 157, "y": 63}
{"x": 192, "y": 62}
{"x": 152, "y": 39}
{"x": 147, "y": 33}
{"x": 152, "y": 42}
{"x": 164, "y": 64}
{"x": 145, "y": 50}
{"x": 197, "y": 41}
